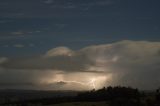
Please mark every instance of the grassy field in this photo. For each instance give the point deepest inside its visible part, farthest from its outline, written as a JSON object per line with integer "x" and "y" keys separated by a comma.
{"x": 82, "y": 104}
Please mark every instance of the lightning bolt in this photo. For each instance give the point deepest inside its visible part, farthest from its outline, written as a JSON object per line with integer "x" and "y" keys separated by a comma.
{"x": 81, "y": 83}
{"x": 91, "y": 83}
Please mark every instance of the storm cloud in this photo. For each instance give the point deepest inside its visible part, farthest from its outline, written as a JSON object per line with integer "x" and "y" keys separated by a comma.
{"x": 128, "y": 63}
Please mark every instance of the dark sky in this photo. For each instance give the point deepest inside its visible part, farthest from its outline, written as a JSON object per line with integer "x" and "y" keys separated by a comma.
{"x": 39, "y": 25}
{"x": 79, "y": 44}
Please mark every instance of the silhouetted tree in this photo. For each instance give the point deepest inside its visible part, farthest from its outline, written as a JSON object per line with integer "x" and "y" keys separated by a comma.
{"x": 118, "y": 96}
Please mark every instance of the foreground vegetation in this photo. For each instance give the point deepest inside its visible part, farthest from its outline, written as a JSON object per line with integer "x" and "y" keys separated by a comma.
{"x": 81, "y": 104}
{"x": 110, "y": 96}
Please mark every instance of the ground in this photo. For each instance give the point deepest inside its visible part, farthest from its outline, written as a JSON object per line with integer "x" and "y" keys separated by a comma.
{"x": 82, "y": 104}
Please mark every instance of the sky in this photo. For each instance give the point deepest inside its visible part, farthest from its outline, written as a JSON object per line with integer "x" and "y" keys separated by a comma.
{"x": 79, "y": 44}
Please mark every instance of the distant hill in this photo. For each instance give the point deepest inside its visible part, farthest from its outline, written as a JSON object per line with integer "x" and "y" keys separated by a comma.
{"x": 34, "y": 94}
{"x": 111, "y": 96}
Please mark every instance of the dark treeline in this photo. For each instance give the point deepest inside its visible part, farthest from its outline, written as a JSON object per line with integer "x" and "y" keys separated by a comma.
{"x": 118, "y": 96}
{"x": 122, "y": 96}
{"x": 114, "y": 96}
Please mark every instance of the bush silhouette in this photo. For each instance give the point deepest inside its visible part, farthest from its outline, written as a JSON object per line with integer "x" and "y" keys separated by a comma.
{"x": 117, "y": 96}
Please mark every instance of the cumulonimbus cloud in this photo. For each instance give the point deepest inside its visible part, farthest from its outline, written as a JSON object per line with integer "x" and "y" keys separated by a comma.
{"x": 131, "y": 63}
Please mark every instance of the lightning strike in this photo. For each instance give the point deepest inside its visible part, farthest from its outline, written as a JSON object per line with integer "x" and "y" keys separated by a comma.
{"x": 93, "y": 83}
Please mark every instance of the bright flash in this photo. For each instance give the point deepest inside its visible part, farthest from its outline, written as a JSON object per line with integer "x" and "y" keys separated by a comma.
{"x": 87, "y": 81}
{"x": 93, "y": 83}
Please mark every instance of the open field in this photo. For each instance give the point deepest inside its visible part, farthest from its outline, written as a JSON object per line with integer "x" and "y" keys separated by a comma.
{"x": 81, "y": 104}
